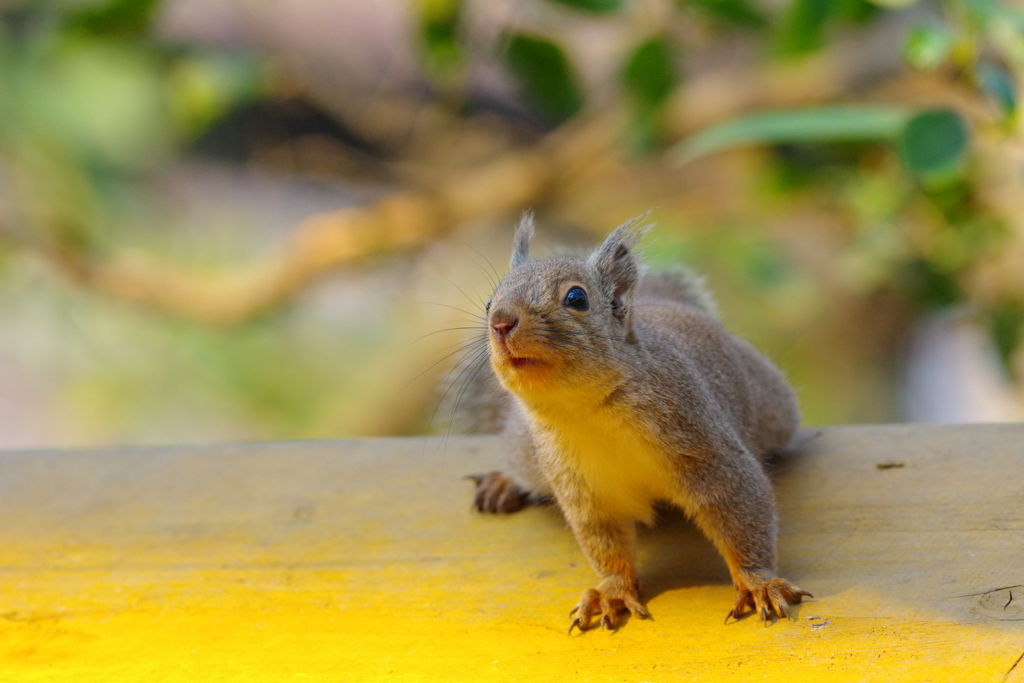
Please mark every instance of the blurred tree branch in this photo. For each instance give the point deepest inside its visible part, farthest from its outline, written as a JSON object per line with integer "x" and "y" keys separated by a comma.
{"x": 583, "y": 153}
{"x": 81, "y": 107}
{"x": 402, "y": 221}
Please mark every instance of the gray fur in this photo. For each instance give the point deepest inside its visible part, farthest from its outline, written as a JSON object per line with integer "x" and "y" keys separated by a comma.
{"x": 648, "y": 370}
{"x": 522, "y": 239}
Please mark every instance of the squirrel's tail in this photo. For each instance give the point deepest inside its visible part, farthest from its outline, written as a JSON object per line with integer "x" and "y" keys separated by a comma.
{"x": 680, "y": 285}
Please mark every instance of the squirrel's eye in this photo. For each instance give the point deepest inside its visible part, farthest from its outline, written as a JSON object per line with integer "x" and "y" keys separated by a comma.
{"x": 487, "y": 308}
{"x": 576, "y": 299}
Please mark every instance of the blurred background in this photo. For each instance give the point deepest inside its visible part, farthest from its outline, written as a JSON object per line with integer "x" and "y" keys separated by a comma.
{"x": 234, "y": 219}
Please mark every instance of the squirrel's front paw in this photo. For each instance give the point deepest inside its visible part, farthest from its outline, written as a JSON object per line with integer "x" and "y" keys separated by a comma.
{"x": 765, "y": 597}
{"x": 607, "y": 602}
{"x": 496, "y": 492}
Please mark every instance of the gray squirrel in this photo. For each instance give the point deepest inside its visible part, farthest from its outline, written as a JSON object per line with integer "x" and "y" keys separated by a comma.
{"x": 624, "y": 391}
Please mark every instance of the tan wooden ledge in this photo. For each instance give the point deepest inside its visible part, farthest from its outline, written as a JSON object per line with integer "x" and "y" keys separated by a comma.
{"x": 361, "y": 560}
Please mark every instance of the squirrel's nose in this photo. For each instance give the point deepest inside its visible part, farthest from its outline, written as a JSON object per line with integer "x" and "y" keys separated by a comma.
{"x": 503, "y": 324}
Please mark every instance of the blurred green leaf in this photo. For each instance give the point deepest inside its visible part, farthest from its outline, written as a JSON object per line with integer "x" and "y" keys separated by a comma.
{"x": 649, "y": 75}
{"x": 593, "y": 6}
{"x": 893, "y": 4}
{"x": 644, "y": 129}
{"x": 858, "y": 11}
{"x": 1006, "y": 325}
{"x": 798, "y": 125}
{"x": 933, "y": 143}
{"x": 114, "y": 18}
{"x": 104, "y": 100}
{"x": 545, "y": 74}
{"x": 441, "y": 11}
{"x": 980, "y": 12}
{"x": 764, "y": 263}
{"x": 928, "y": 45}
{"x": 439, "y": 29}
{"x": 739, "y": 12}
{"x": 930, "y": 287}
{"x": 803, "y": 26}
{"x": 796, "y": 166}
{"x": 202, "y": 88}
{"x": 802, "y": 29}
{"x": 998, "y": 84}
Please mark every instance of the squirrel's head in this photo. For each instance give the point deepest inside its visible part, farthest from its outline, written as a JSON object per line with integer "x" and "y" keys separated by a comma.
{"x": 565, "y": 322}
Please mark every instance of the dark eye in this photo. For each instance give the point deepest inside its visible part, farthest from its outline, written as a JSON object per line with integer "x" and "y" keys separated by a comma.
{"x": 576, "y": 299}
{"x": 487, "y": 308}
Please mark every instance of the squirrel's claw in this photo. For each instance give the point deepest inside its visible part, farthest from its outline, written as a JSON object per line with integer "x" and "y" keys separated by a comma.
{"x": 607, "y": 603}
{"x": 496, "y": 492}
{"x": 772, "y": 596}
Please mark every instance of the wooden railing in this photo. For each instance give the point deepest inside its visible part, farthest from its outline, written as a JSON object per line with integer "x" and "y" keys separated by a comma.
{"x": 361, "y": 560}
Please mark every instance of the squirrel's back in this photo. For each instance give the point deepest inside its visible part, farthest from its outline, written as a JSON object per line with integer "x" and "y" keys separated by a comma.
{"x": 718, "y": 369}
{"x": 679, "y": 285}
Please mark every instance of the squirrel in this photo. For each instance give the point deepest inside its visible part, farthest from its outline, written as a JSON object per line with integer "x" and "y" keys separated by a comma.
{"x": 625, "y": 392}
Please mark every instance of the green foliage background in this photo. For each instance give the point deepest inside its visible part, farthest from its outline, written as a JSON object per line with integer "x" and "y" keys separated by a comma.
{"x": 93, "y": 104}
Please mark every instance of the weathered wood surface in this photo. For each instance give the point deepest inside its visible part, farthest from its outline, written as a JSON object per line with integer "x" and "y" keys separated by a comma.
{"x": 361, "y": 560}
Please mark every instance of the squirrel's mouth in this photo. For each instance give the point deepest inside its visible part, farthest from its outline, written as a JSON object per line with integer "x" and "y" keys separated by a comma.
{"x": 504, "y": 354}
{"x": 519, "y": 362}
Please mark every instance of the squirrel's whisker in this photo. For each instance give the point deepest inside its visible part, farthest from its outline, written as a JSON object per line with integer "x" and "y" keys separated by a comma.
{"x": 475, "y": 316}
{"x": 480, "y": 328}
{"x": 497, "y": 277}
{"x": 481, "y": 359}
{"x": 479, "y": 302}
{"x": 463, "y": 346}
{"x": 473, "y": 356}
{"x": 483, "y": 271}
{"x": 460, "y": 345}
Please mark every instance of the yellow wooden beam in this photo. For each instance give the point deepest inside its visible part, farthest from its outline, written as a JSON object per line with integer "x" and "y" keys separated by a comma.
{"x": 361, "y": 560}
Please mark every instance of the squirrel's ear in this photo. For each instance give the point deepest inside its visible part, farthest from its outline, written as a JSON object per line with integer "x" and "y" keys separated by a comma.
{"x": 617, "y": 264}
{"x": 521, "y": 241}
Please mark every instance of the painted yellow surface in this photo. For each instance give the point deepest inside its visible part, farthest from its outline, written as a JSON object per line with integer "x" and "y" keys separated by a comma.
{"x": 356, "y": 561}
